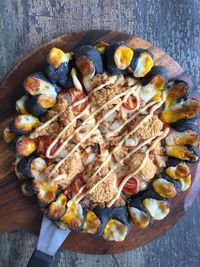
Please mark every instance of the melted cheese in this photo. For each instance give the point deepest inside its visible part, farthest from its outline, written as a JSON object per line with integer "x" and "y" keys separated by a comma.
{"x": 115, "y": 230}
{"x": 73, "y": 216}
{"x": 26, "y": 122}
{"x": 122, "y": 57}
{"x": 181, "y": 152}
{"x": 187, "y": 137}
{"x": 186, "y": 182}
{"x": 20, "y": 105}
{"x": 158, "y": 209}
{"x": 56, "y": 57}
{"x": 46, "y": 88}
{"x": 38, "y": 166}
{"x": 87, "y": 81}
{"x": 75, "y": 79}
{"x": 179, "y": 171}
{"x": 144, "y": 65}
{"x": 139, "y": 217}
{"x": 147, "y": 92}
{"x": 92, "y": 223}
{"x": 182, "y": 173}
{"x": 88, "y": 134}
{"x": 164, "y": 188}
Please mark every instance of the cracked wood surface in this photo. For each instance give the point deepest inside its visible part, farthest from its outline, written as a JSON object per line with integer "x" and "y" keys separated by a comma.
{"x": 174, "y": 26}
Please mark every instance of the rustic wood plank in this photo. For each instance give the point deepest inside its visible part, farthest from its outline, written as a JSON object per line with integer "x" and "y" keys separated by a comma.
{"x": 171, "y": 25}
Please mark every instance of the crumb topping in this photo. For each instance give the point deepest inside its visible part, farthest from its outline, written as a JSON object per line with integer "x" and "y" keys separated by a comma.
{"x": 148, "y": 171}
{"x": 107, "y": 93}
{"x": 70, "y": 168}
{"x": 61, "y": 103}
{"x": 158, "y": 150}
{"x": 52, "y": 130}
{"x": 106, "y": 190}
{"x": 150, "y": 128}
{"x": 64, "y": 119}
{"x": 98, "y": 79}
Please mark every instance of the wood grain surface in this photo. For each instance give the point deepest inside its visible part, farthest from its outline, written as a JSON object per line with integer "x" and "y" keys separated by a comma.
{"x": 25, "y": 214}
{"x": 173, "y": 26}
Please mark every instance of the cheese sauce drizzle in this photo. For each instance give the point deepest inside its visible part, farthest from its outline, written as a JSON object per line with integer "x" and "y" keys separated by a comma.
{"x": 160, "y": 136}
{"x": 133, "y": 90}
{"x": 111, "y": 80}
{"x": 125, "y": 180}
{"x": 84, "y": 138}
{"x": 97, "y": 125}
{"x": 111, "y": 133}
{"x": 48, "y": 152}
{"x": 44, "y": 125}
{"x": 117, "y": 147}
{"x": 130, "y": 90}
{"x": 79, "y": 128}
{"x": 77, "y": 198}
{"x": 34, "y": 134}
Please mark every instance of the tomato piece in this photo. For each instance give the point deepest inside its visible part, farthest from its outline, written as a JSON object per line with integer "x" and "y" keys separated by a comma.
{"x": 68, "y": 192}
{"x": 158, "y": 112}
{"x": 79, "y": 97}
{"x": 54, "y": 148}
{"x": 25, "y": 146}
{"x": 70, "y": 94}
{"x": 64, "y": 92}
{"x": 131, "y": 187}
{"x": 77, "y": 183}
{"x": 74, "y": 92}
{"x": 131, "y": 103}
{"x": 82, "y": 106}
{"x": 166, "y": 125}
{"x": 43, "y": 144}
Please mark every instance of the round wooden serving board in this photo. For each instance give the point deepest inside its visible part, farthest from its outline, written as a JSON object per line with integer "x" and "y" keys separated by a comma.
{"x": 20, "y": 212}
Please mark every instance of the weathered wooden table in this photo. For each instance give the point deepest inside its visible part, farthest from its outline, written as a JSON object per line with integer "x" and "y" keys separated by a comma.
{"x": 172, "y": 25}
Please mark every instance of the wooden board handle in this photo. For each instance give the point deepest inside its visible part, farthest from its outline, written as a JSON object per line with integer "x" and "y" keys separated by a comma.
{"x": 40, "y": 259}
